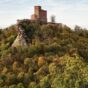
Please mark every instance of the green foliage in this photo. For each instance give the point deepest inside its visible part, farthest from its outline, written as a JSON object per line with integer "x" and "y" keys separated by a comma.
{"x": 56, "y": 57}
{"x": 33, "y": 85}
{"x": 44, "y": 83}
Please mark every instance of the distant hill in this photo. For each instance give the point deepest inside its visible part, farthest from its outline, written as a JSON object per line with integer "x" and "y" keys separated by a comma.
{"x": 55, "y": 56}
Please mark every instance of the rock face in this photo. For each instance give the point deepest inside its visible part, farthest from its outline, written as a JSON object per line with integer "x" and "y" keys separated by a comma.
{"x": 20, "y": 39}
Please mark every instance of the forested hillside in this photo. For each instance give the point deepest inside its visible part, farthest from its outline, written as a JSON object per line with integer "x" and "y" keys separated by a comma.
{"x": 55, "y": 57}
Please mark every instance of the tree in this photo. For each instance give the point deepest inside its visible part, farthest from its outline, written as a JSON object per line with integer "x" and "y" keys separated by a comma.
{"x": 15, "y": 66}
{"x": 12, "y": 86}
{"x": 58, "y": 82}
{"x": 2, "y": 83}
{"x": 27, "y": 61}
{"x": 44, "y": 83}
{"x": 41, "y": 61}
{"x": 20, "y": 85}
{"x": 33, "y": 85}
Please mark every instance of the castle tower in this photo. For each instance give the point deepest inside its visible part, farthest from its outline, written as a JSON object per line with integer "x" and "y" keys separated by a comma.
{"x": 39, "y": 14}
{"x": 37, "y": 11}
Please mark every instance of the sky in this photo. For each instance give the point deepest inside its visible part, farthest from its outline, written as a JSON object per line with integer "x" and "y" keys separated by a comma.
{"x": 69, "y": 12}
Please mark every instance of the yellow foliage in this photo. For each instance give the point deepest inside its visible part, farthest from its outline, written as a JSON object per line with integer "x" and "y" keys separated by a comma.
{"x": 27, "y": 61}
{"x": 41, "y": 61}
{"x": 4, "y": 70}
{"x": 15, "y": 66}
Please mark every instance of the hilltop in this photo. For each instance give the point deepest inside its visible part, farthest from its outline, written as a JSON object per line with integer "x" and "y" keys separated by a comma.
{"x": 55, "y": 56}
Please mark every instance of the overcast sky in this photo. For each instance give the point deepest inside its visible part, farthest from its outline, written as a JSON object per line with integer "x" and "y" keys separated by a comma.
{"x": 70, "y": 12}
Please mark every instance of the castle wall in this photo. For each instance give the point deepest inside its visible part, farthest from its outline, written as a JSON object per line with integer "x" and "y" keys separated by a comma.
{"x": 43, "y": 15}
{"x": 34, "y": 16}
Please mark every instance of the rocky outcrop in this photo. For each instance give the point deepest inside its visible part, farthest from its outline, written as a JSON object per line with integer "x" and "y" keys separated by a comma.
{"x": 20, "y": 39}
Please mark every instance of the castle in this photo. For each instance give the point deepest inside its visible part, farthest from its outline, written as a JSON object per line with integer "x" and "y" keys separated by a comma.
{"x": 39, "y": 14}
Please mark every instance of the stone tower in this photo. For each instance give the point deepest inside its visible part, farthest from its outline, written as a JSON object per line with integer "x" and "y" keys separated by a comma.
{"x": 39, "y": 14}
